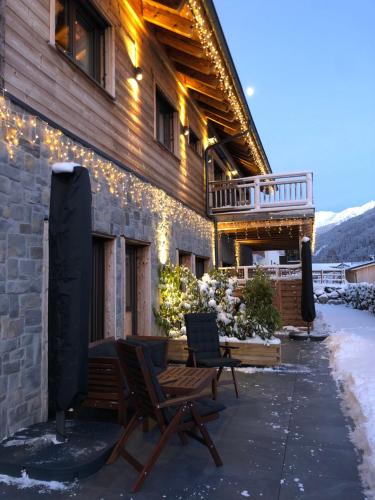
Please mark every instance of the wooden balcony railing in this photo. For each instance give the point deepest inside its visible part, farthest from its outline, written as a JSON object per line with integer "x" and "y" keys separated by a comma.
{"x": 245, "y": 273}
{"x": 262, "y": 193}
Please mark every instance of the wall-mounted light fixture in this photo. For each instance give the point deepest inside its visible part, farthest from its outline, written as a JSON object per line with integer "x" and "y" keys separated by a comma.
{"x": 138, "y": 73}
{"x": 185, "y": 130}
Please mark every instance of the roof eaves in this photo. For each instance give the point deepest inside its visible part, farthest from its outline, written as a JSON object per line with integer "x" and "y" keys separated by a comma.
{"x": 215, "y": 22}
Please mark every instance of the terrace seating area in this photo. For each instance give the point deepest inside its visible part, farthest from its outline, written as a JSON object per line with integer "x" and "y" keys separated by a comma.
{"x": 285, "y": 435}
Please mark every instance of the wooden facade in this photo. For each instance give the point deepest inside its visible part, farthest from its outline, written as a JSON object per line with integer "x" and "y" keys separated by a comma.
{"x": 120, "y": 118}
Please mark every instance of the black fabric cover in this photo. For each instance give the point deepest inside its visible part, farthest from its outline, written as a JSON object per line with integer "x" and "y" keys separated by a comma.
{"x": 307, "y": 297}
{"x": 70, "y": 244}
{"x": 203, "y": 335}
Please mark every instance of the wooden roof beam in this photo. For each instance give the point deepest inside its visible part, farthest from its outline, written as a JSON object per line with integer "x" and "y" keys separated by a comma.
{"x": 154, "y": 14}
{"x": 229, "y": 127}
{"x": 221, "y": 105}
{"x": 187, "y": 46}
{"x": 200, "y": 87}
{"x": 225, "y": 115}
{"x": 200, "y": 65}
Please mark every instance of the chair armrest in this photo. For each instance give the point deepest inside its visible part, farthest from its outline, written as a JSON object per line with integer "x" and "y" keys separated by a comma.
{"x": 180, "y": 400}
{"x": 228, "y": 347}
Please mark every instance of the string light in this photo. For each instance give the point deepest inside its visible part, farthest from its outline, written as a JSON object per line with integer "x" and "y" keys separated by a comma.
{"x": 122, "y": 185}
{"x": 207, "y": 39}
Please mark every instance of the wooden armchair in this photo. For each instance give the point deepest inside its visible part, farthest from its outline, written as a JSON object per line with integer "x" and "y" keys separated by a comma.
{"x": 204, "y": 346}
{"x": 179, "y": 415}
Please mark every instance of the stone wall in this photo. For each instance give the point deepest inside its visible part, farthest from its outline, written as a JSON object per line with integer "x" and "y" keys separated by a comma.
{"x": 24, "y": 206}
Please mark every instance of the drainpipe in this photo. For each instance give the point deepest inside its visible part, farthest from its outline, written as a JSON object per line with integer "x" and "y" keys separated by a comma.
{"x": 208, "y": 214}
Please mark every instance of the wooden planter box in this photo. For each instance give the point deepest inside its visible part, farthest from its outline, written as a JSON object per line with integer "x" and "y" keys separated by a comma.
{"x": 249, "y": 354}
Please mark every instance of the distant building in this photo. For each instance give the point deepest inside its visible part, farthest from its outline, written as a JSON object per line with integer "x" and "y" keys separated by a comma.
{"x": 361, "y": 273}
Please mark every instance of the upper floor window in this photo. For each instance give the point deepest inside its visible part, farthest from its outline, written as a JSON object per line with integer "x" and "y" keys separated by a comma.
{"x": 165, "y": 121}
{"x": 195, "y": 142}
{"x": 80, "y": 33}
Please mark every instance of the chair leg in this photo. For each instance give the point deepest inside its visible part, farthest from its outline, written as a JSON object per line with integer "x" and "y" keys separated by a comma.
{"x": 146, "y": 425}
{"x": 206, "y": 437}
{"x": 132, "y": 425}
{"x": 214, "y": 388}
{"x": 167, "y": 434}
{"x": 235, "y": 382}
{"x": 219, "y": 372}
{"x": 183, "y": 438}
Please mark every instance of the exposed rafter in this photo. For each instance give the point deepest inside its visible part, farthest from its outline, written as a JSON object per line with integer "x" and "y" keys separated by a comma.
{"x": 187, "y": 46}
{"x": 155, "y": 14}
{"x": 195, "y": 63}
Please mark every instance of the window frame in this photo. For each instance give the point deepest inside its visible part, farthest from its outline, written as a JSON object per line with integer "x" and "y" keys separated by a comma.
{"x": 197, "y": 150}
{"x": 104, "y": 75}
{"x": 174, "y": 140}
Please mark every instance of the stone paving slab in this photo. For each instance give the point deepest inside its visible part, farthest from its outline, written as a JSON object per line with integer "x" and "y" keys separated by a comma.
{"x": 284, "y": 439}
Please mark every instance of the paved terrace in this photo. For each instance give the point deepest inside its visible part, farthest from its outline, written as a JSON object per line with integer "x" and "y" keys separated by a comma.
{"x": 286, "y": 438}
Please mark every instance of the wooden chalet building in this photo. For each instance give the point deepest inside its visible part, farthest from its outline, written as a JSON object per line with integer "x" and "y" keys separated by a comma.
{"x": 145, "y": 95}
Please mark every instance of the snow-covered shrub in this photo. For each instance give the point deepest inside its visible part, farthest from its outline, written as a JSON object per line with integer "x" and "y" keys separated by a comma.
{"x": 360, "y": 296}
{"x": 181, "y": 292}
{"x": 259, "y": 316}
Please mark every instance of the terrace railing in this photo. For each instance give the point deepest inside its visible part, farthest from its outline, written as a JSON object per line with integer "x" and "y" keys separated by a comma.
{"x": 285, "y": 272}
{"x": 262, "y": 193}
{"x": 329, "y": 277}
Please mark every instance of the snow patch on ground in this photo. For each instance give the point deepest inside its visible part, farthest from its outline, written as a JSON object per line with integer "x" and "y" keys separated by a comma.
{"x": 40, "y": 440}
{"x": 25, "y": 481}
{"x": 284, "y": 368}
{"x": 352, "y": 349}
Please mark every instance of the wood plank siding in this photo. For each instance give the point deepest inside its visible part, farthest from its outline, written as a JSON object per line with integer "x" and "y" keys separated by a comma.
{"x": 121, "y": 125}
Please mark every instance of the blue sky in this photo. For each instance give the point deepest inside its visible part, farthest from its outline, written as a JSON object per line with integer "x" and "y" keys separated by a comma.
{"x": 312, "y": 65}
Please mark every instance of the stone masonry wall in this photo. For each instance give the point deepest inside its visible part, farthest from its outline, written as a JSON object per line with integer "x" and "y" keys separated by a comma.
{"x": 24, "y": 205}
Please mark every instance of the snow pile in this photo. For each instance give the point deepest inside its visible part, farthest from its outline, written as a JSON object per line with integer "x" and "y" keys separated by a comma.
{"x": 329, "y": 294}
{"x": 26, "y": 482}
{"x": 352, "y": 347}
{"x": 360, "y": 296}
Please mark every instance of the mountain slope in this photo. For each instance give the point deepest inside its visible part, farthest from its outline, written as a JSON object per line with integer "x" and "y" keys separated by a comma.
{"x": 326, "y": 218}
{"x": 350, "y": 241}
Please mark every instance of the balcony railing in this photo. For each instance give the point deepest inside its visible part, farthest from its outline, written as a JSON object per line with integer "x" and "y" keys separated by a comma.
{"x": 245, "y": 273}
{"x": 262, "y": 193}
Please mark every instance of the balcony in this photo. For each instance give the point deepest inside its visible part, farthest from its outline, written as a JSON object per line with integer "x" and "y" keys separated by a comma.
{"x": 266, "y": 194}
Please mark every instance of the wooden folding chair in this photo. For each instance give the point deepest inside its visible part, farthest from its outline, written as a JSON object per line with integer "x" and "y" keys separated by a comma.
{"x": 180, "y": 415}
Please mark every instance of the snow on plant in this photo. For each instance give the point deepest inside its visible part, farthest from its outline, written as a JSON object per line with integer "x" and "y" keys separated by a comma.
{"x": 360, "y": 296}
{"x": 179, "y": 294}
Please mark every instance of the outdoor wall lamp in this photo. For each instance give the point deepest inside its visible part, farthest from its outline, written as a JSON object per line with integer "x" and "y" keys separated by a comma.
{"x": 185, "y": 130}
{"x": 138, "y": 73}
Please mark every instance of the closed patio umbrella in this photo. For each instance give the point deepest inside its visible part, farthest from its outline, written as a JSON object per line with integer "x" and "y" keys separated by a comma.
{"x": 307, "y": 297}
{"x": 70, "y": 244}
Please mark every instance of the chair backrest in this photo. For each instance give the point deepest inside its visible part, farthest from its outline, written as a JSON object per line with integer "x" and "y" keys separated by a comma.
{"x": 140, "y": 372}
{"x": 158, "y": 346}
{"x": 105, "y": 383}
{"x": 203, "y": 335}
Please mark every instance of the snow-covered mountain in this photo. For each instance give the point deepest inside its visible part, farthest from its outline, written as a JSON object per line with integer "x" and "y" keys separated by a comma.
{"x": 326, "y": 218}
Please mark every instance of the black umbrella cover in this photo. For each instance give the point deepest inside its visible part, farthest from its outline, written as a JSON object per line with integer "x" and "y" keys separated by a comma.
{"x": 70, "y": 244}
{"x": 307, "y": 298}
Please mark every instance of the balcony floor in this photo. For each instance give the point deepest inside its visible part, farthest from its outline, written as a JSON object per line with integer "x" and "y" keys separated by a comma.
{"x": 284, "y": 439}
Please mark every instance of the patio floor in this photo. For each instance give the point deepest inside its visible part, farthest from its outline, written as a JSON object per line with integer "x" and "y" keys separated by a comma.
{"x": 284, "y": 439}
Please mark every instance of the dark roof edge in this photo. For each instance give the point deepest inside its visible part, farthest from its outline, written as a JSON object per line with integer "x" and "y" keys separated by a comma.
{"x": 215, "y": 21}
{"x": 363, "y": 264}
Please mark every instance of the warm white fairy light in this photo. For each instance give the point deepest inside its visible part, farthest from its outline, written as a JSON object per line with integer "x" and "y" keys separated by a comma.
{"x": 121, "y": 184}
{"x": 213, "y": 52}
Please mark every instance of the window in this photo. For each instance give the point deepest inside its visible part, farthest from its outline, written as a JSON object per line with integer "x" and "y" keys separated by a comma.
{"x": 165, "y": 121}
{"x": 194, "y": 142}
{"x": 200, "y": 266}
{"x": 218, "y": 173}
{"x": 80, "y": 33}
{"x": 131, "y": 288}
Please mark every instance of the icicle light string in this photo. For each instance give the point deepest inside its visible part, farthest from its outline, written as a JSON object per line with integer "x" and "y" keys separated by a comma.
{"x": 123, "y": 185}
